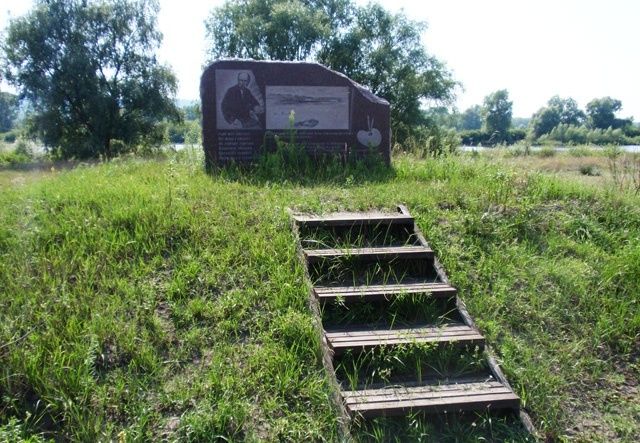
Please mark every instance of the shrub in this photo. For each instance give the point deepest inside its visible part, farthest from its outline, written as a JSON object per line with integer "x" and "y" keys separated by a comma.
{"x": 546, "y": 151}
{"x": 193, "y": 135}
{"x": 580, "y": 135}
{"x": 176, "y": 133}
{"x": 12, "y": 159}
{"x": 589, "y": 170}
{"x": 519, "y": 150}
{"x": 21, "y": 153}
{"x": 10, "y": 137}
{"x": 23, "y": 149}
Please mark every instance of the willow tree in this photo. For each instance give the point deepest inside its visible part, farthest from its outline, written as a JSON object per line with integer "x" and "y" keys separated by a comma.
{"x": 89, "y": 73}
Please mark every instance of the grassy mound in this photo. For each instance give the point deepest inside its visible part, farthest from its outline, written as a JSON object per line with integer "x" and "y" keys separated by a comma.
{"x": 145, "y": 299}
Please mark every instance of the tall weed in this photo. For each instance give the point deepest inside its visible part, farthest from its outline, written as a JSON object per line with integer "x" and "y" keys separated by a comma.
{"x": 624, "y": 168}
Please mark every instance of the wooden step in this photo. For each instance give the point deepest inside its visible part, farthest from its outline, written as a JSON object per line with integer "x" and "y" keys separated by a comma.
{"x": 362, "y": 339}
{"x": 381, "y": 292}
{"x": 354, "y": 219}
{"x": 451, "y": 397}
{"x": 364, "y": 254}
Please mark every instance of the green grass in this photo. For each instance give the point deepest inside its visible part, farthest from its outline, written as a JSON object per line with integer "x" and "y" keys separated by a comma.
{"x": 401, "y": 310}
{"x": 377, "y": 367}
{"x": 357, "y": 237}
{"x": 144, "y": 299}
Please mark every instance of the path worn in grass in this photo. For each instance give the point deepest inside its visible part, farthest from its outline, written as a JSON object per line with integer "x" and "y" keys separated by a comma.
{"x": 145, "y": 299}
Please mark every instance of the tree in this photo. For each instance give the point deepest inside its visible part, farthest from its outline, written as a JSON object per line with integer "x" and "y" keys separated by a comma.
{"x": 88, "y": 70}
{"x": 273, "y": 29}
{"x": 380, "y": 50}
{"x": 442, "y": 116}
{"x": 496, "y": 113}
{"x": 544, "y": 121}
{"x": 601, "y": 113}
{"x": 384, "y": 52}
{"x": 471, "y": 118}
{"x": 558, "y": 111}
{"x": 8, "y": 111}
{"x": 568, "y": 110}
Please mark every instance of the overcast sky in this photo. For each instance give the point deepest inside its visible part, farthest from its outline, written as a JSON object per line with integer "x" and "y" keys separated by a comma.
{"x": 534, "y": 49}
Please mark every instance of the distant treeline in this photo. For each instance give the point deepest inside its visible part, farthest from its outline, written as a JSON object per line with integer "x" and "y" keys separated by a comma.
{"x": 475, "y": 137}
{"x": 561, "y": 121}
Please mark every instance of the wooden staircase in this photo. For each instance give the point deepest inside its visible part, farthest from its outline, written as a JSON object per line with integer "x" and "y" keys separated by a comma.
{"x": 352, "y": 241}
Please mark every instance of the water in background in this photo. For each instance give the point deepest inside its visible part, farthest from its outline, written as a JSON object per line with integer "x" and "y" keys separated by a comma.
{"x": 626, "y": 148}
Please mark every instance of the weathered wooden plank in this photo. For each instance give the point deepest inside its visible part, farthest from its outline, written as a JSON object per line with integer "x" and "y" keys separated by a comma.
{"x": 426, "y": 391}
{"x": 370, "y": 253}
{"x": 362, "y": 339}
{"x": 440, "y": 385}
{"x": 470, "y": 403}
{"x": 353, "y": 219}
{"x": 403, "y": 287}
{"x": 351, "y": 293}
{"x": 348, "y": 333}
{"x": 431, "y": 398}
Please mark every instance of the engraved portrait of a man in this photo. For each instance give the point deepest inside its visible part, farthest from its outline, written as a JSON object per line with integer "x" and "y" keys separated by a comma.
{"x": 240, "y": 108}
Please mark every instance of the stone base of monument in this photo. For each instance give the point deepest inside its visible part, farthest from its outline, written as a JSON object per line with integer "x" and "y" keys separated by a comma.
{"x": 246, "y": 104}
{"x": 372, "y": 277}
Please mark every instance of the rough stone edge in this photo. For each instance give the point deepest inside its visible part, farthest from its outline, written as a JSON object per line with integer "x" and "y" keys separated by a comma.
{"x": 362, "y": 89}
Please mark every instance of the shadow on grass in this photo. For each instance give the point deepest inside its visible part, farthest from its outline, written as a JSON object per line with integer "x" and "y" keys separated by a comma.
{"x": 292, "y": 164}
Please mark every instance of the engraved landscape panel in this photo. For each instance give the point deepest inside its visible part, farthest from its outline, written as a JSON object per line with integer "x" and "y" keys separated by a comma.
{"x": 314, "y": 107}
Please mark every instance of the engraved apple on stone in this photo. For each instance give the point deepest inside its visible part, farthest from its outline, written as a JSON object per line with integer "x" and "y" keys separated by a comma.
{"x": 371, "y": 138}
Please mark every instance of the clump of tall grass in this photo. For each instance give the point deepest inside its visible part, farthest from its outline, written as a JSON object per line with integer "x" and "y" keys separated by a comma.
{"x": 430, "y": 141}
{"x": 292, "y": 162}
{"x": 285, "y": 159}
{"x": 517, "y": 150}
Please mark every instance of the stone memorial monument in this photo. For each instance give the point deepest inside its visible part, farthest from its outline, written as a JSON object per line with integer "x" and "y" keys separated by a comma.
{"x": 247, "y": 103}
